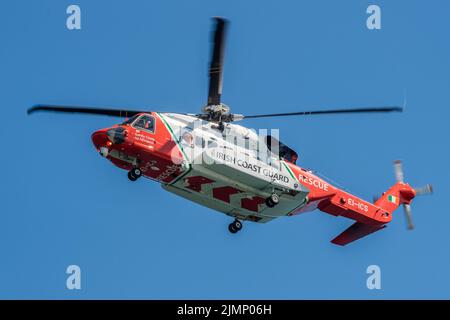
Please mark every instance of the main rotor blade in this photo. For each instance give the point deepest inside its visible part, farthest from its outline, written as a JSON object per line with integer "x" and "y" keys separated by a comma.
{"x": 332, "y": 111}
{"x": 85, "y": 110}
{"x": 216, "y": 65}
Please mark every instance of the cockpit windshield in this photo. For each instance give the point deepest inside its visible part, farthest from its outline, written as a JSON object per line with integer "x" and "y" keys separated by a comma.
{"x": 145, "y": 122}
{"x": 130, "y": 120}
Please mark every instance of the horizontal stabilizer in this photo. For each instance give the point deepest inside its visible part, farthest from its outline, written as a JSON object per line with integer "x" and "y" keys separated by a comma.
{"x": 355, "y": 232}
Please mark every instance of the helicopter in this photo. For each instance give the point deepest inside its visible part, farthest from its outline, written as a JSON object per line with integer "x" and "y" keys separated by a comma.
{"x": 209, "y": 159}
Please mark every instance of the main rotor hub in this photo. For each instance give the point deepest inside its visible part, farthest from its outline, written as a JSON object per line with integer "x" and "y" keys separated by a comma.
{"x": 217, "y": 113}
{"x": 220, "y": 109}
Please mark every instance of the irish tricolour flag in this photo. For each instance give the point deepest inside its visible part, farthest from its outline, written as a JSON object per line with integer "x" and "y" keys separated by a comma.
{"x": 393, "y": 199}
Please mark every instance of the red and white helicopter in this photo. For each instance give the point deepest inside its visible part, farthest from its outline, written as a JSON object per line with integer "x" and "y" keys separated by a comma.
{"x": 210, "y": 160}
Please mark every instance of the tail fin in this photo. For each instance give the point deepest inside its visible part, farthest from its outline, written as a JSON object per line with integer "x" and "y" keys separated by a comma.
{"x": 399, "y": 193}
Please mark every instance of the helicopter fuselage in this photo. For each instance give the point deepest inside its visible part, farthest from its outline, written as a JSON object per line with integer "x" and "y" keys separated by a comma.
{"x": 193, "y": 159}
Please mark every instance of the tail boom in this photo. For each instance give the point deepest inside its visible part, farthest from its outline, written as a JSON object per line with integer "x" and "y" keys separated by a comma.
{"x": 377, "y": 216}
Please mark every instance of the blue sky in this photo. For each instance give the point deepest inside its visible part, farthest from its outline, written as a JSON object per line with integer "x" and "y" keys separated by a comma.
{"x": 62, "y": 204}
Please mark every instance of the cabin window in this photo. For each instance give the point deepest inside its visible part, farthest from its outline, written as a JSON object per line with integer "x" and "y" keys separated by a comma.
{"x": 212, "y": 144}
{"x": 145, "y": 122}
{"x": 187, "y": 139}
{"x": 199, "y": 141}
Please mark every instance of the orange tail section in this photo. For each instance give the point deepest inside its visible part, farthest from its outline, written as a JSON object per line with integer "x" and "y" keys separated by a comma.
{"x": 400, "y": 193}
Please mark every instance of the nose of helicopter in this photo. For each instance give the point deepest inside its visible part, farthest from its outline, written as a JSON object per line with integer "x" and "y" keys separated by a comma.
{"x": 100, "y": 139}
{"x": 108, "y": 136}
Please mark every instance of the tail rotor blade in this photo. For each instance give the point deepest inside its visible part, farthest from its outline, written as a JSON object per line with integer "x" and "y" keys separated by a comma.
{"x": 398, "y": 170}
{"x": 427, "y": 189}
{"x": 408, "y": 216}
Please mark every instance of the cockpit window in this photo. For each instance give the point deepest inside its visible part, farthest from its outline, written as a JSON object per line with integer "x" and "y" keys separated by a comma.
{"x": 130, "y": 120}
{"x": 145, "y": 122}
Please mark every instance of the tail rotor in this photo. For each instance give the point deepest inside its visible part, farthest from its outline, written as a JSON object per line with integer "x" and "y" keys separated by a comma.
{"x": 427, "y": 189}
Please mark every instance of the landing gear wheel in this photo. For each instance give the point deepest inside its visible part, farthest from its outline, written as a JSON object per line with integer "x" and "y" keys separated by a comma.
{"x": 134, "y": 174}
{"x": 131, "y": 176}
{"x": 235, "y": 226}
{"x": 273, "y": 200}
{"x": 231, "y": 228}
